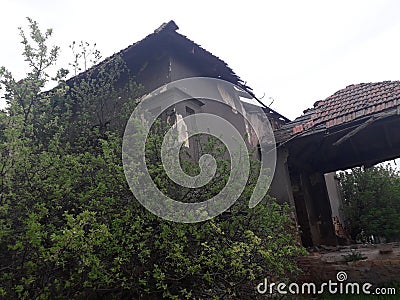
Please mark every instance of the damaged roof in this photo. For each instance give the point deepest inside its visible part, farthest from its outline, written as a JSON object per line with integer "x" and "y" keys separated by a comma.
{"x": 351, "y": 103}
{"x": 166, "y": 35}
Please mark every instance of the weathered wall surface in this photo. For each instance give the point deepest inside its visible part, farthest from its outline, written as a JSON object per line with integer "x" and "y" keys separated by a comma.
{"x": 281, "y": 187}
{"x": 334, "y": 195}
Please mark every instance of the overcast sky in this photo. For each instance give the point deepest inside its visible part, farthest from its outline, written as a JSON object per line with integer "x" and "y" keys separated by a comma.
{"x": 295, "y": 52}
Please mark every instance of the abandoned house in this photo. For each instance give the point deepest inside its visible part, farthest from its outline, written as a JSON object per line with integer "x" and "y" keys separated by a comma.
{"x": 356, "y": 126}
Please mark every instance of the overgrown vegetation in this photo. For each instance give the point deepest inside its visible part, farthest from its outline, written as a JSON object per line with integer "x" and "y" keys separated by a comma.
{"x": 69, "y": 225}
{"x": 372, "y": 203}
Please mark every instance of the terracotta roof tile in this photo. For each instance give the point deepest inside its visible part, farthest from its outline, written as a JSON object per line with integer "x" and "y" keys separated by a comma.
{"x": 353, "y": 102}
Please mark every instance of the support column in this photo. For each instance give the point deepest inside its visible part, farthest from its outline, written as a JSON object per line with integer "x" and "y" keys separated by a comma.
{"x": 301, "y": 208}
{"x": 313, "y": 207}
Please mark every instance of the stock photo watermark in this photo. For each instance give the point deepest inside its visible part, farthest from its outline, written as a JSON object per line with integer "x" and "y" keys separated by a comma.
{"x": 339, "y": 287}
{"x": 208, "y": 94}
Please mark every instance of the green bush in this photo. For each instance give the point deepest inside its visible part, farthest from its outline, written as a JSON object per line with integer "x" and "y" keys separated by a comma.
{"x": 372, "y": 202}
{"x": 71, "y": 229}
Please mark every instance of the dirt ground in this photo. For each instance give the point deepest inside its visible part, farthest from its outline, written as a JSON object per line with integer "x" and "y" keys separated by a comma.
{"x": 374, "y": 263}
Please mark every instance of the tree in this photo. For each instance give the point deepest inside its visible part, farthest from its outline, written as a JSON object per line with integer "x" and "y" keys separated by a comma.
{"x": 372, "y": 202}
{"x": 69, "y": 225}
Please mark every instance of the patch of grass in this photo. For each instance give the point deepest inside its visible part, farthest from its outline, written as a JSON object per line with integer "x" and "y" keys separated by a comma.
{"x": 354, "y": 255}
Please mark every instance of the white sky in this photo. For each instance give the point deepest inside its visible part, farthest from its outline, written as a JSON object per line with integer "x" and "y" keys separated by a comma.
{"x": 296, "y": 52}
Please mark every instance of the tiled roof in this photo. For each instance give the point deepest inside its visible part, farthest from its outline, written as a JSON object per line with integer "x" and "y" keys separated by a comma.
{"x": 353, "y": 102}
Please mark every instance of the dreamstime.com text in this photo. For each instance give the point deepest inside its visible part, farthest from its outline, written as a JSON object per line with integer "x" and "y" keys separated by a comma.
{"x": 339, "y": 287}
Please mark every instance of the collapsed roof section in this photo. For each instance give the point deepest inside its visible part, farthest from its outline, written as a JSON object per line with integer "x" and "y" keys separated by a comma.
{"x": 166, "y": 38}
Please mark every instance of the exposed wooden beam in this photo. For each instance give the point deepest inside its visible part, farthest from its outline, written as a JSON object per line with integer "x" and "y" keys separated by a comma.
{"x": 359, "y": 128}
{"x": 366, "y": 158}
{"x": 354, "y": 132}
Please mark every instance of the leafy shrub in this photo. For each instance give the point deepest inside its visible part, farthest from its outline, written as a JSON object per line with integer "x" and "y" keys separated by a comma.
{"x": 71, "y": 229}
{"x": 372, "y": 202}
